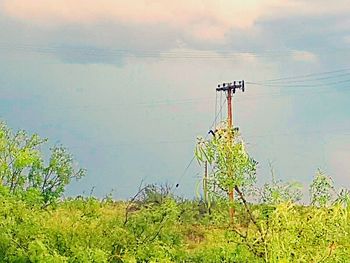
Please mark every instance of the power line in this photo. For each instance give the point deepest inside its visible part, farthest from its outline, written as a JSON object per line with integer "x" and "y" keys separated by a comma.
{"x": 307, "y": 75}
{"x": 143, "y": 143}
{"x": 304, "y": 133}
{"x": 193, "y": 157}
{"x": 171, "y": 54}
{"x": 276, "y": 94}
{"x": 299, "y": 85}
{"x": 183, "y": 141}
{"x": 264, "y": 84}
{"x": 320, "y": 88}
{"x": 297, "y": 80}
{"x": 149, "y": 104}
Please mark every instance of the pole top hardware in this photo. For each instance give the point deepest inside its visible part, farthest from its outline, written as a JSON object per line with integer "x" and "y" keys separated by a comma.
{"x": 231, "y": 86}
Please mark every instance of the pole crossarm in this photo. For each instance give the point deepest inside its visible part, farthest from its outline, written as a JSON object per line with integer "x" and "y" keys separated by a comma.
{"x": 231, "y": 86}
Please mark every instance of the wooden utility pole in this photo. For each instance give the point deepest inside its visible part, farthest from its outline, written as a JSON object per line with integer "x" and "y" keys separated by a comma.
{"x": 205, "y": 182}
{"x": 230, "y": 90}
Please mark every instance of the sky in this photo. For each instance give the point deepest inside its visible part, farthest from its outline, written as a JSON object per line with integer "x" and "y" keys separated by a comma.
{"x": 127, "y": 85}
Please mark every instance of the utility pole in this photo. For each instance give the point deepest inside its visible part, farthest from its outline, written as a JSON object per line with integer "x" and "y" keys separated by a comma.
{"x": 205, "y": 182}
{"x": 230, "y": 90}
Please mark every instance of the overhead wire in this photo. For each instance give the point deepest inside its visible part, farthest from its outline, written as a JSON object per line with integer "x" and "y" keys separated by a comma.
{"x": 266, "y": 84}
{"x": 216, "y": 105}
{"x": 278, "y": 94}
{"x": 306, "y": 80}
{"x": 296, "y": 79}
{"x": 220, "y": 104}
{"x": 340, "y": 76}
{"x": 304, "y": 133}
{"x": 172, "y": 54}
{"x": 193, "y": 157}
{"x": 320, "y": 88}
{"x": 277, "y": 134}
{"x": 307, "y": 76}
{"x": 303, "y": 78}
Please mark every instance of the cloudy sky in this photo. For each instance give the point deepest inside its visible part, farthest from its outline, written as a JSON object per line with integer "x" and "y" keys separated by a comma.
{"x": 128, "y": 85}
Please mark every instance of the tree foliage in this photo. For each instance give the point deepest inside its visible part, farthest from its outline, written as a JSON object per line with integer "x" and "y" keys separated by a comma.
{"x": 277, "y": 191}
{"x": 156, "y": 226}
{"x": 23, "y": 167}
{"x": 321, "y": 189}
{"x": 231, "y": 165}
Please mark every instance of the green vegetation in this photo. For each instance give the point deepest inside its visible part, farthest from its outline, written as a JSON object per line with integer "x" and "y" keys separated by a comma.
{"x": 23, "y": 169}
{"x": 37, "y": 225}
{"x": 160, "y": 228}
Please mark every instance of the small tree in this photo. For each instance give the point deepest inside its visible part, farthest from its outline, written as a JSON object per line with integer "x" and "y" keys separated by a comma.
{"x": 277, "y": 191}
{"x": 321, "y": 189}
{"x": 22, "y": 166}
{"x": 232, "y": 167}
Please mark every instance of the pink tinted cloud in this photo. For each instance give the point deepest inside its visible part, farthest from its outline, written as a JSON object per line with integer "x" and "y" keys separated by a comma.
{"x": 204, "y": 19}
